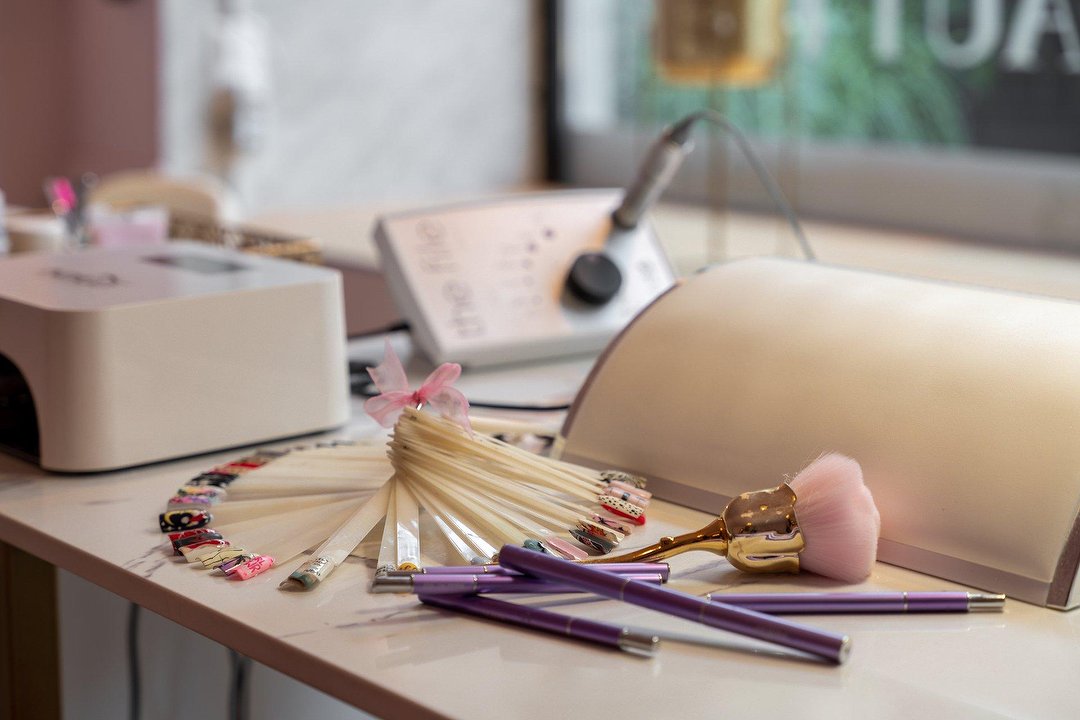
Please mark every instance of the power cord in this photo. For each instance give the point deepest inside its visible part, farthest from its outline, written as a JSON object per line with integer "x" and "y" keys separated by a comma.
{"x": 240, "y": 666}
{"x": 396, "y": 327}
{"x": 238, "y": 691}
{"x": 135, "y": 680}
{"x": 666, "y": 156}
{"x": 681, "y": 132}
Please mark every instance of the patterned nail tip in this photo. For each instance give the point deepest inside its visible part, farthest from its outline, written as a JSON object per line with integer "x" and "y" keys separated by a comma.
{"x": 221, "y": 555}
{"x": 189, "y": 502}
{"x": 618, "y": 475}
{"x": 308, "y": 576}
{"x": 561, "y": 548}
{"x": 623, "y": 509}
{"x": 235, "y": 468}
{"x": 643, "y": 497}
{"x": 213, "y": 479}
{"x": 179, "y": 545}
{"x": 227, "y": 567}
{"x": 600, "y": 531}
{"x": 336, "y": 443}
{"x": 299, "y": 579}
{"x": 625, "y": 497}
{"x": 628, "y": 493}
{"x": 195, "y": 553}
{"x": 536, "y": 545}
{"x": 615, "y": 523}
{"x": 254, "y": 566}
{"x": 210, "y": 491}
{"x": 246, "y": 462}
{"x": 174, "y": 520}
{"x": 176, "y": 537}
{"x": 592, "y": 541}
{"x": 266, "y": 454}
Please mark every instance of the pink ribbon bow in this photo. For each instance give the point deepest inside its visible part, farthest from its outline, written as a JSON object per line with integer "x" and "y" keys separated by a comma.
{"x": 395, "y": 396}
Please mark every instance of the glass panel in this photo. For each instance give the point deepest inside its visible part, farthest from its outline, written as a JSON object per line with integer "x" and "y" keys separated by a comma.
{"x": 957, "y": 116}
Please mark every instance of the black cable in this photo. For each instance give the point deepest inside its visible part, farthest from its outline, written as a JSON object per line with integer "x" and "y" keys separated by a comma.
{"x": 238, "y": 688}
{"x": 396, "y": 327}
{"x": 665, "y": 157}
{"x": 552, "y": 88}
{"x": 716, "y": 118}
{"x": 135, "y": 682}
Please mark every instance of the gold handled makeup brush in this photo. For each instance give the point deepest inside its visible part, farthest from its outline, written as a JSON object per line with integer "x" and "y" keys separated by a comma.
{"x": 823, "y": 520}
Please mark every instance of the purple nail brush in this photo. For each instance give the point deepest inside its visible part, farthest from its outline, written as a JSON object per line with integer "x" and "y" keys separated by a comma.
{"x": 630, "y": 568}
{"x": 826, "y": 645}
{"x": 851, "y": 603}
{"x": 471, "y": 584}
{"x": 539, "y": 619}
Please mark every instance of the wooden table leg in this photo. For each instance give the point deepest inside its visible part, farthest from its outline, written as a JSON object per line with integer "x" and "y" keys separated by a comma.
{"x": 29, "y": 638}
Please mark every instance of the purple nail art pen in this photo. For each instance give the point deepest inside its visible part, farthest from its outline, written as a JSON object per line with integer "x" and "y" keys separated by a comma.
{"x": 471, "y": 584}
{"x": 829, "y": 646}
{"x": 851, "y": 603}
{"x": 593, "y": 631}
{"x": 633, "y": 568}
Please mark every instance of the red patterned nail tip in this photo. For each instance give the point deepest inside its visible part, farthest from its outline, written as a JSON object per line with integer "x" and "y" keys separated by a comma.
{"x": 184, "y": 534}
{"x": 623, "y": 509}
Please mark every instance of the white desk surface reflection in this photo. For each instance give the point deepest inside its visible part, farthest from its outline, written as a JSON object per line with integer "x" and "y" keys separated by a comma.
{"x": 394, "y": 658}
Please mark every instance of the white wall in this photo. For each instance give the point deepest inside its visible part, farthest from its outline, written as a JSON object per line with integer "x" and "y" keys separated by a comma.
{"x": 372, "y": 102}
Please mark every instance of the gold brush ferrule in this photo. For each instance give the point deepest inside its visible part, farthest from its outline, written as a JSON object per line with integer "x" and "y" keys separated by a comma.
{"x": 765, "y": 535}
{"x": 757, "y": 531}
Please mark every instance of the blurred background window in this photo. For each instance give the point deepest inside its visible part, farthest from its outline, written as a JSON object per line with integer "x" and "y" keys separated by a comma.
{"x": 958, "y": 117}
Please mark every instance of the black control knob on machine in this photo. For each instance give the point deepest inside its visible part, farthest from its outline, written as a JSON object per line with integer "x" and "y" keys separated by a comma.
{"x": 594, "y": 279}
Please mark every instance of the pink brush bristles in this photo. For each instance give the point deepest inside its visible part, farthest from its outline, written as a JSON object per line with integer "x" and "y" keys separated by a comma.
{"x": 838, "y": 518}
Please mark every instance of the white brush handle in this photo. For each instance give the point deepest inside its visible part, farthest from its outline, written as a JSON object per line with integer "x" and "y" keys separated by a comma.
{"x": 501, "y": 426}
{"x": 283, "y": 543}
{"x": 483, "y": 504}
{"x": 312, "y": 484}
{"x": 236, "y": 511}
{"x": 480, "y": 547}
{"x": 342, "y": 542}
{"x": 511, "y": 496}
{"x": 407, "y": 528}
{"x": 426, "y": 431}
{"x": 553, "y": 511}
{"x": 388, "y": 545}
{"x": 353, "y": 531}
{"x": 289, "y": 521}
{"x": 502, "y": 532}
{"x": 463, "y": 520}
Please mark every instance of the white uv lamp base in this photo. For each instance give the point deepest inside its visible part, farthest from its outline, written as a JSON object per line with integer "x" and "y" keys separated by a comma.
{"x": 962, "y": 405}
{"x": 483, "y": 283}
{"x": 122, "y": 356}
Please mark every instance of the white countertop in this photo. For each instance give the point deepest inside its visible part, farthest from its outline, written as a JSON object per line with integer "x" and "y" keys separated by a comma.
{"x": 392, "y": 657}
